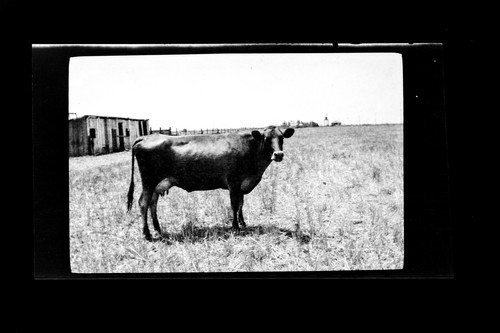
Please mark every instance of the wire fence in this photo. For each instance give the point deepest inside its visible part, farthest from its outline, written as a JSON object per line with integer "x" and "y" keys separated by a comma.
{"x": 201, "y": 131}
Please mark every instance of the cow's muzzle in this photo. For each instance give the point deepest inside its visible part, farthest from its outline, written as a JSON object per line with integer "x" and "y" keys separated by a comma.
{"x": 277, "y": 156}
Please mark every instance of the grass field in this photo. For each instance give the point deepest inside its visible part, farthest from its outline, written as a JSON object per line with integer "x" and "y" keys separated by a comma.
{"x": 334, "y": 203}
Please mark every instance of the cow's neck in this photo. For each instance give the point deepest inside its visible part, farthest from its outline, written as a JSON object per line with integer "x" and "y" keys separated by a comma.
{"x": 262, "y": 163}
{"x": 262, "y": 166}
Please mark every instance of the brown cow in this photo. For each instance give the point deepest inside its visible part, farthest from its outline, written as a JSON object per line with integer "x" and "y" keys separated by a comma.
{"x": 234, "y": 162}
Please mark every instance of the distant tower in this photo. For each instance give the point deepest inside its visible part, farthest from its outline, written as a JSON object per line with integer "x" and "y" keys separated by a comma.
{"x": 326, "y": 122}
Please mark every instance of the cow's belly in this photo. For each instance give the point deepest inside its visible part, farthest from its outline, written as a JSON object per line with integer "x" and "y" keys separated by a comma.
{"x": 199, "y": 174}
{"x": 203, "y": 181}
{"x": 201, "y": 187}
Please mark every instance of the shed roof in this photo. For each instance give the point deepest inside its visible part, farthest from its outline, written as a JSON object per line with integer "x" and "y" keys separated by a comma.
{"x": 106, "y": 117}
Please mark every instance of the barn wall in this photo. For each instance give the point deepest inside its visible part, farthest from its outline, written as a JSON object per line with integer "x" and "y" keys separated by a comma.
{"x": 104, "y": 142}
{"x": 98, "y": 125}
{"x": 78, "y": 144}
{"x": 114, "y": 142}
{"x": 73, "y": 145}
{"x": 135, "y": 132}
{"x": 136, "y": 129}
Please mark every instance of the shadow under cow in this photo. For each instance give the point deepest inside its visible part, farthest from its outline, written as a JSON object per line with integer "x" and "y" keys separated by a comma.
{"x": 191, "y": 234}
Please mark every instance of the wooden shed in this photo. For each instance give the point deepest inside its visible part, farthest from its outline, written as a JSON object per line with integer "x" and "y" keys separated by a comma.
{"x": 95, "y": 135}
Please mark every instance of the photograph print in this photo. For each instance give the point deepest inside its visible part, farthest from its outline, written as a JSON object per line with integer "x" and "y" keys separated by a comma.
{"x": 236, "y": 162}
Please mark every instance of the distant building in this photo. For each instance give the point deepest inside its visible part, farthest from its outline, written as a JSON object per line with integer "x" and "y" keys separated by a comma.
{"x": 95, "y": 135}
{"x": 296, "y": 123}
{"x": 335, "y": 123}
{"x": 325, "y": 122}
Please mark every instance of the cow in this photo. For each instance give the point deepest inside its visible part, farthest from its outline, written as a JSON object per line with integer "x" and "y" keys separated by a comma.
{"x": 234, "y": 162}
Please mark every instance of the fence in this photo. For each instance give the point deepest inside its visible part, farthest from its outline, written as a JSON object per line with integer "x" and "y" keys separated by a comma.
{"x": 177, "y": 132}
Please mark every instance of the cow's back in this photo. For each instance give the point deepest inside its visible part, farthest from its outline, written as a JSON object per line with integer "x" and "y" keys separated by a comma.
{"x": 200, "y": 162}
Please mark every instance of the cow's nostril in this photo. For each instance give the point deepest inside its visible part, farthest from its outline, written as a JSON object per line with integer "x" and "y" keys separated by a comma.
{"x": 278, "y": 155}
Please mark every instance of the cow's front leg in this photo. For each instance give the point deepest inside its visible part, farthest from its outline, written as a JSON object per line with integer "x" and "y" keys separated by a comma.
{"x": 235, "y": 205}
{"x": 240, "y": 212}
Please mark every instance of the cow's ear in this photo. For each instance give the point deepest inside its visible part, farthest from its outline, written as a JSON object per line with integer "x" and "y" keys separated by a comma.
{"x": 288, "y": 133}
{"x": 257, "y": 135}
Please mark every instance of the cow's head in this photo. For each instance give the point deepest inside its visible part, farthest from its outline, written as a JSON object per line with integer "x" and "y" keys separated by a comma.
{"x": 272, "y": 141}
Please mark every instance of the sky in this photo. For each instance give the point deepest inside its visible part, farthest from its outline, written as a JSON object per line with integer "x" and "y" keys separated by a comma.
{"x": 239, "y": 90}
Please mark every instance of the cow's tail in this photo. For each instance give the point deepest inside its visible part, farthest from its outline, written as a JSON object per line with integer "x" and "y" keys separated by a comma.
{"x": 130, "y": 195}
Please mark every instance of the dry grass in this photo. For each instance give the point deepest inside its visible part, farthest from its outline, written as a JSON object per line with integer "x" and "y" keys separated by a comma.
{"x": 334, "y": 203}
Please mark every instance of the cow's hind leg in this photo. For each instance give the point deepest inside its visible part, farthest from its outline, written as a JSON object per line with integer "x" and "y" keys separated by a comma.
{"x": 144, "y": 202}
{"x": 160, "y": 189}
{"x": 154, "y": 216}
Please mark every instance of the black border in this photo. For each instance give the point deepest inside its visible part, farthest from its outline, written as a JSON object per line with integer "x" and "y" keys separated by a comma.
{"x": 428, "y": 225}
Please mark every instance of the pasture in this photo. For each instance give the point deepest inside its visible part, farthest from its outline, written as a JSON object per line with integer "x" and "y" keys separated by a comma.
{"x": 334, "y": 203}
